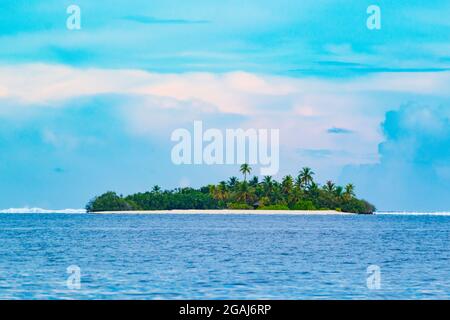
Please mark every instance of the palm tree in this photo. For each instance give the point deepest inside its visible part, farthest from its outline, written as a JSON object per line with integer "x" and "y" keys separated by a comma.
{"x": 313, "y": 188}
{"x": 287, "y": 184}
{"x": 232, "y": 182}
{"x": 338, "y": 191}
{"x": 245, "y": 169}
{"x": 267, "y": 179}
{"x": 329, "y": 186}
{"x": 298, "y": 182}
{"x": 305, "y": 177}
{"x": 267, "y": 185}
{"x": 156, "y": 189}
{"x": 222, "y": 191}
{"x": 218, "y": 192}
{"x": 349, "y": 190}
{"x": 254, "y": 181}
{"x": 223, "y": 185}
{"x": 277, "y": 192}
{"x": 213, "y": 191}
{"x": 245, "y": 193}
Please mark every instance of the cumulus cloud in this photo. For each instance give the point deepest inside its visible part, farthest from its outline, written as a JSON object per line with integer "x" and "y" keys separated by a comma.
{"x": 414, "y": 167}
{"x": 302, "y": 108}
{"x": 230, "y": 92}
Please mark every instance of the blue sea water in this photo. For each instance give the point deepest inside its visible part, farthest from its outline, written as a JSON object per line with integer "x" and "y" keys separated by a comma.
{"x": 224, "y": 256}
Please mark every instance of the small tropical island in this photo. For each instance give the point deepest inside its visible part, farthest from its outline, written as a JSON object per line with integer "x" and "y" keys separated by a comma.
{"x": 301, "y": 194}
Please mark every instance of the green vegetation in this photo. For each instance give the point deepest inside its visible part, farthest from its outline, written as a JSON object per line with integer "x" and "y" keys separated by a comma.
{"x": 299, "y": 194}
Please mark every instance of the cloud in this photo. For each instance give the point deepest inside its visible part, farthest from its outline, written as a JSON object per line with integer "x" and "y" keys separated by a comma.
{"x": 335, "y": 130}
{"x": 230, "y": 92}
{"x": 328, "y": 41}
{"x": 323, "y": 153}
{"x": 59, "y": 140}
{"x": 315, "y": 153}
{"x": 154, "y": 103}
{"x": 413, "y": 172}
{"x": 306, "y": 110}
{"x": 152, "y": 20}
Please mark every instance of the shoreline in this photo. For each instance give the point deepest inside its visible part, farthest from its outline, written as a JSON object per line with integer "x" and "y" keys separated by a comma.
{"x": 231, "y": 212}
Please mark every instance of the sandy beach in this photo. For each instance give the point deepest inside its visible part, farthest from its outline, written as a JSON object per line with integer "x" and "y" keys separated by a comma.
{"x": 255, "y": 212}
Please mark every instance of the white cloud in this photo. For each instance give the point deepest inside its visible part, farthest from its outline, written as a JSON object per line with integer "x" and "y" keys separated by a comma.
{"x": 44, "y": 84}
{"x": 303, "y": 108}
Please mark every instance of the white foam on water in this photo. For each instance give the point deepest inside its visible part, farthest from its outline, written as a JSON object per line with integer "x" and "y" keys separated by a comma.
{"x": 40, "y": 210}
{"x": 406, "y": 213}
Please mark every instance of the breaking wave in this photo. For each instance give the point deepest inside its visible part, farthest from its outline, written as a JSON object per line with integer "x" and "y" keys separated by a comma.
{"x": 40, "y": 210}
{"x": 442, "y": 213}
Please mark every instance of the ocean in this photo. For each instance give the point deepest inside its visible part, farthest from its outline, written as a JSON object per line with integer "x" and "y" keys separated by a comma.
{"x": 88, "y": 256}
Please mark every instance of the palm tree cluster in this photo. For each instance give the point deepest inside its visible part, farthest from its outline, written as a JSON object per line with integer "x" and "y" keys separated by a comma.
{"x": 299, "y": 193}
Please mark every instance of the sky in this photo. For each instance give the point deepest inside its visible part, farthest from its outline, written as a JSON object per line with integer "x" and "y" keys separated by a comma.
{"x": 90, "y": 110}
